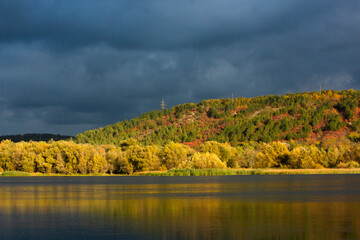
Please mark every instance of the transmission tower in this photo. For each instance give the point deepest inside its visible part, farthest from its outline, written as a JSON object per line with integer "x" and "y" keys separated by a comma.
{"x": 162, "y": 104}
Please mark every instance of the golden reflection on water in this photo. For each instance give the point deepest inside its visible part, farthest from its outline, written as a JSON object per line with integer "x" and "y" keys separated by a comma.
{"x": 178, "y": 211}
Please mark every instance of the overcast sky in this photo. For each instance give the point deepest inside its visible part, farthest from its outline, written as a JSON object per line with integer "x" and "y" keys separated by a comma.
{"x": 71, "y": 65}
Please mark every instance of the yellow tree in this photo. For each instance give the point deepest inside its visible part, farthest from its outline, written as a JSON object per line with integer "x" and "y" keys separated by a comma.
{"x": 175, "y": 153}
{"x": 152, "y": 157}
{"x": 307, "y": 157}
{"x": 203, "y": 160}
{"x": 224, "y": 151}
{"x": 272, "y": 155}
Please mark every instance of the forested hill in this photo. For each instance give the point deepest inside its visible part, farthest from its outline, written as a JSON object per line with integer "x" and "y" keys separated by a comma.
{"x": 34, "y": 137}
{"x": 309, "y": 116}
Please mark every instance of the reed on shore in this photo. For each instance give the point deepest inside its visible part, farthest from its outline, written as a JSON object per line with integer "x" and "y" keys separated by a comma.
{"x": 229, "y": 172}
{"x": 200, "y": 172}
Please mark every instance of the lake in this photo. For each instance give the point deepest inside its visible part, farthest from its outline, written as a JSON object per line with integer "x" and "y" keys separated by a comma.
{"x": 224, "y": 207}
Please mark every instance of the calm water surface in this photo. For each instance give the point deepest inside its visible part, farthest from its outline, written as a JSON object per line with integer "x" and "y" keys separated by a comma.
{"x": 226, "y": 207}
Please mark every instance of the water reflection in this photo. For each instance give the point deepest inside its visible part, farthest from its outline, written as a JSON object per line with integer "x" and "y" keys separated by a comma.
{"x": 284, "y": 207}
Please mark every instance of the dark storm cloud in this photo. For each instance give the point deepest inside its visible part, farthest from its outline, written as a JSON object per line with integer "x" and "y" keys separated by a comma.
{"x": 67, "y": 66}
{"x": 156, "y": 23}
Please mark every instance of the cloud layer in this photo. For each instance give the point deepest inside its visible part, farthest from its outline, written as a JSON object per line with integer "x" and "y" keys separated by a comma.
{"x": 68, "y": 66}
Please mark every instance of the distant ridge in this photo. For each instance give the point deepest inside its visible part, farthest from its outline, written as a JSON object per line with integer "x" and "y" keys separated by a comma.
{"x": 34, "y": 137}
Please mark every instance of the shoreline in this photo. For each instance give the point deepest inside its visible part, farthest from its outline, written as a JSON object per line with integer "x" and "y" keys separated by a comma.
{"x": 199, "y": 172}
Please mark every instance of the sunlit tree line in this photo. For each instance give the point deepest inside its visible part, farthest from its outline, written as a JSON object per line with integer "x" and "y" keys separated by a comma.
{"x": 67, "y": 157}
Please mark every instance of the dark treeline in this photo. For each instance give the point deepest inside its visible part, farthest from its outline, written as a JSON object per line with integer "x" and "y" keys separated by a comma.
{"x": 67, "y": 157}
{"x": 34, "y": 137}
{"x": 303, "y": 116}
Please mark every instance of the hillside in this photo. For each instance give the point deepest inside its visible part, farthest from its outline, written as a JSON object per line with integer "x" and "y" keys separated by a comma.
{"x": 308, "y": 116}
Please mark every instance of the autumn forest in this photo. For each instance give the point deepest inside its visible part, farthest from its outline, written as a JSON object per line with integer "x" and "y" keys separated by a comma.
{"x": 294, "y": 131}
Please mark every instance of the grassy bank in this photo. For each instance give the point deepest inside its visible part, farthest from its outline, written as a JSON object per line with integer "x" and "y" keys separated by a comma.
{"x": 15, "y": 174}
{"x": 190, "y": 172}
{"x": 26, "y": 174}
{"x": 200, "y": 172}
{"x": 228, "y": 172}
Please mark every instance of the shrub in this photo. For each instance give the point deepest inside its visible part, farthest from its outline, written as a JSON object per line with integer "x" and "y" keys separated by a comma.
{"x": 351, "y": 164}
{"x": 354, "y": 137}
{"x": 203, "y": 160}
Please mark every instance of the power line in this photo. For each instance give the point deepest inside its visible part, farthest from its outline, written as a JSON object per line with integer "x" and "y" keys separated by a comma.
{"x": 162, "y": 104}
